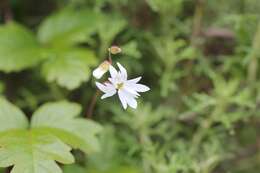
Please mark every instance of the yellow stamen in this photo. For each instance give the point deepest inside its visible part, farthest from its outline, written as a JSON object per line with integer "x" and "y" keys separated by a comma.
{"x": 119, "y": 86}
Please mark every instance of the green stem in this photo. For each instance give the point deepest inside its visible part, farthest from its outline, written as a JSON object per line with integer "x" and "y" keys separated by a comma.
{"x": 204, "y": 126}
{"x": 145, "y": 141}
{"x": 254, "y": 55}
{"x": 93, "y": 101}
{"x": 197, "y": 21}
{"x": 92, "y": 105}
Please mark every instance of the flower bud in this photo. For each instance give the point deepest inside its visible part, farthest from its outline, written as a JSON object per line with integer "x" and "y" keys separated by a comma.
{"x": 115, "y": 50}
{"x": 101, "y": 69}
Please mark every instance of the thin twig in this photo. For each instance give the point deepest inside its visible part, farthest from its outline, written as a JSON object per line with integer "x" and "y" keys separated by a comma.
{"x": 92, "y": 104}
{"x": 93, "y": 101}
{"x": 109, "y": 57}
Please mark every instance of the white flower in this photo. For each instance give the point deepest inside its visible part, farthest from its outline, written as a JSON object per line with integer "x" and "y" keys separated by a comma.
{"x": 127, "y": 90}
{"x": 101, "y": 69}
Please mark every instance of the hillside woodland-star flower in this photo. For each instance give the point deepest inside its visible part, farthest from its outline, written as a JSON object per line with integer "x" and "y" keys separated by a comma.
{"x": 101, "y": 69}
{"x": 127, "y": 90}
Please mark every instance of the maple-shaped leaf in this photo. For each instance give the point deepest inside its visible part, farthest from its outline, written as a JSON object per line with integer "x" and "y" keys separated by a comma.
{"x": 33, "y": 152}
{"x": 54, "y": 127}
{"x": 68, "y": 67}
{"x": 11, "y": 117}
{"x": 60, "y": 119}
{"x": 19, "y": 48}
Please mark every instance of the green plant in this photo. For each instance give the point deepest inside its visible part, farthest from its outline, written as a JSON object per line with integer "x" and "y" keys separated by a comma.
{"x": 200, "y": 58}
{"x": 34, "y": 147}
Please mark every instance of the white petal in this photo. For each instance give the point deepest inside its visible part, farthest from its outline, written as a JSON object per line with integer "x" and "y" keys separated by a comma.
{"x": 127, "y": 98}
{"x": 135, "y": 80}
{"x": 122, "y": 98}
{"x": 98, "y": 73}
{"x": 131, "y": 101}
{"x": 131, "y": 90}
{"x": 102, "y": 87}
{"x": 106, "y": 88}
{"x": 112, "y": 80}
{"x": 141, "y": 88}
{"x": 123, "y": 71}
{"x": 108, "y": 94}
{"x": 113, "y": 71}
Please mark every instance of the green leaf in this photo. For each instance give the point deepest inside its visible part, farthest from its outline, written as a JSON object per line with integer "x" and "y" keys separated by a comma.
{"x": 74, "y": 169}
{"x": 60, "y": 119}
{"x": 118, "y": 169}
{"x": 33, "y": 152}
{"x": 69, "y": 68}
{"x": 11, "y": 117}
{"x": 131, "y": 49}
{"x": 68, "y": 27}
{"x": 19, "y": 49}
{"x": 166, "y": 7}
{"x": 110, "y": 26}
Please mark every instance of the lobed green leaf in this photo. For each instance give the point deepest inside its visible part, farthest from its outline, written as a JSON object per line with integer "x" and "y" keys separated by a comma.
{"x": 19, "y": 48}
{"x": 33, "y": 152}
{"x": 11, "y": 117}
{"x": 70, "y": 67}
{"x": 67, "y": 27}
{"x": 60, "y": 119}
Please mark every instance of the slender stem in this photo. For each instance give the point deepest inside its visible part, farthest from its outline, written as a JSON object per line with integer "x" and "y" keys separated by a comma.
{"x": 145, "y": 141}
{"x": 196, "y": 31}
{"x": 93, "y": 101}
{"x": 202, "y": 132}
{"x": 253, "y": 65}
{"x": 109, "y": 57}
{"x": 197, "y": 21}
{"x": 92, "y": 104}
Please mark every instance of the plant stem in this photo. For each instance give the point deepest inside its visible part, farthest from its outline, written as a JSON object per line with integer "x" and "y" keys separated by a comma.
{"x": 92, "y": 105}
{"x": 204, "y": 127}
{"x": 94, "y": 98}
{"x": 109, "y": 57}
{"x": 197, "y": 21}
{"x": 254, "y": 54}
{"x": 144, "y": 142}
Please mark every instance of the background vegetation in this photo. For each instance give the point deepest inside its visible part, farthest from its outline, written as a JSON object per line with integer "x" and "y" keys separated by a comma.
{"x": 200, "y": 58}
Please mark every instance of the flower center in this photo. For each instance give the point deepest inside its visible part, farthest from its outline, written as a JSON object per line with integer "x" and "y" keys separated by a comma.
{"x": 119, "y": 85}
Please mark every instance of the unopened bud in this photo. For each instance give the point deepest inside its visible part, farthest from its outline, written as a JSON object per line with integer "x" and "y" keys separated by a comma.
{"x": 115, "y": 50}
{"x": 101, "y": 69}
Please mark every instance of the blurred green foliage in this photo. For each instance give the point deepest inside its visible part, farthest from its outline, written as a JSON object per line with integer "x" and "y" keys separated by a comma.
{"x": 200, "y": 58}
{"x": 34, "y": 147}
